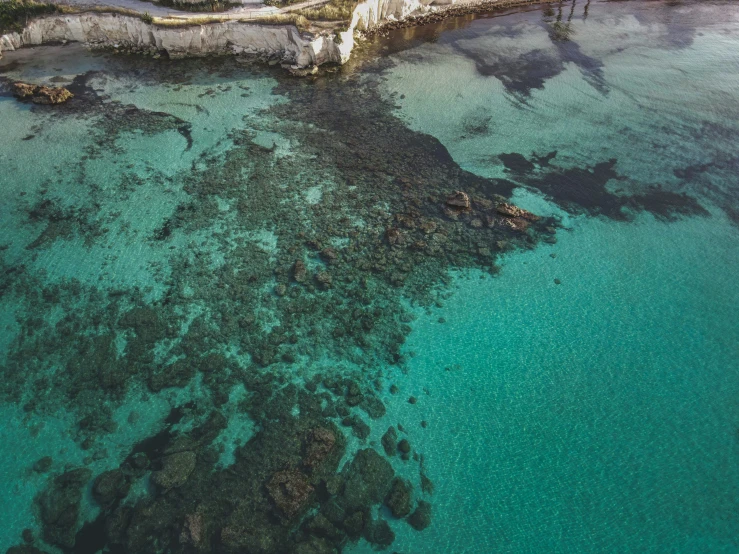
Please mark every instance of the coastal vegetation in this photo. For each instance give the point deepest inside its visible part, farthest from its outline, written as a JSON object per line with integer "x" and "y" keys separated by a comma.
{"x": 335, "y": 10}
{"x": 203, "y": 6}
{"x": 15, "y": 14}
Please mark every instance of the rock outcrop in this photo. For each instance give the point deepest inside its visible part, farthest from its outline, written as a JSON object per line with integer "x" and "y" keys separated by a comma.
{"x": 59, "y": 507}
{"x": 39, "y": 94}
{"x": 289, "y": 490}
{"x": 176, "y": 468}
{"x": 459, "y": 200}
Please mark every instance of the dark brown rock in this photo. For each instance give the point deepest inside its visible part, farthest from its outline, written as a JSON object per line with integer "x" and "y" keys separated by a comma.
{"x": 43, "y": 465}
{"x": 459, "y": 200}
{"x": 176, "y": 469}
{"x": 41, "y": 94}
{"x": 394, "y": 236}
{"x": 367, "y": 482}
{"x": 319, "y": 443}
{"x": 328, "y": 255}
{"x": 509, "y": 210}
{"x": 300, "y": 273}
{"x": 399, "y": 498}
{"x": 379, "y": 533}
{"x": 60, "y": 506}
{"x": 110, "y": 486}
{"x": 421, "y": 517}
{"x": 389, "y": 441}
{"x": 289, "y": 490}
{"x": 24, "y": 549}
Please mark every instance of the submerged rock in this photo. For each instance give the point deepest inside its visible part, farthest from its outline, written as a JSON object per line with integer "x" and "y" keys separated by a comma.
{"x": 379, "y": 533}
{"x": 399, "y": 498}
{"x": 389, "y": 441}
{"x": 60, "y": 507}
{"x": 373, "y": 406}
{"x": 421, "y": 518}
{"x": 110, "y": 486}
{"x": 24, "y": 549}
{"x": 193, "y": 529}
{"x": 43, "y": 465}
{"x": 289, "y": 490}
{"x": 300, "y": 273}
{"x": 176, "y": 468}
{"x": 359, "y": 428}
{"x": 319, "y": 444}
{"x": 368, "y": 480}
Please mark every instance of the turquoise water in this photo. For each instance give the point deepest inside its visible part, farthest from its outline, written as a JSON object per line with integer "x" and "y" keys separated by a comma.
{"x": 567, "y": 387}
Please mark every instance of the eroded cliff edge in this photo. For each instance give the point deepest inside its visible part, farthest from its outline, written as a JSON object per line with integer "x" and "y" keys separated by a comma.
{"x": 284, "y": 43}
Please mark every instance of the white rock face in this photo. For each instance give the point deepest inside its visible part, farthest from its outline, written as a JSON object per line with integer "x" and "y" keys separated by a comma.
{"x": 373, "y": 12}
{"x": 276, "y": 41}
{"x": 279, "y": 41}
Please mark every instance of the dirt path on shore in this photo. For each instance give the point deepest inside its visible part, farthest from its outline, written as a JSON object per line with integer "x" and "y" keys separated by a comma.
{"x": 244, "y": 12}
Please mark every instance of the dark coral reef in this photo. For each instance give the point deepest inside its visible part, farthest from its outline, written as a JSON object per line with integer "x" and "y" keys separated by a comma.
{"x": 305, "y": 326}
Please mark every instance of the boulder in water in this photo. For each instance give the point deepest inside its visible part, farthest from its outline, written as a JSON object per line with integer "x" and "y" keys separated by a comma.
{"x": 421, "y": 518}
{"x": 176, "y": 469}
{"x": 459, "y": 200}
{"x": 39, "y": 94}
{"x": 289, "y": 490}
{"x": 399, "y": 498}
{"x": 509, "y": 210}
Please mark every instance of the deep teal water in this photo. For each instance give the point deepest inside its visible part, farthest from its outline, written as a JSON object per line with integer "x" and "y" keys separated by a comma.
{"x": 583, "y": 398}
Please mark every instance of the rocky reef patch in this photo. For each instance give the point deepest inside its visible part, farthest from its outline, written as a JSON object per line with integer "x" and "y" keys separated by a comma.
{"x": 294, "y": 277}
{"x": 306, "y": 325}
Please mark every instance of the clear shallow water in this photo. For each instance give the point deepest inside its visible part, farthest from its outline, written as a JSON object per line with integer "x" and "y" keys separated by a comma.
{"x": 597, "y": 414}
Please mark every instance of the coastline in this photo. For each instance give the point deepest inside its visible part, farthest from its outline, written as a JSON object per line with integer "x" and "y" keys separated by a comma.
{"x": 449, "y": 11}
{"x": 284, "y": 44}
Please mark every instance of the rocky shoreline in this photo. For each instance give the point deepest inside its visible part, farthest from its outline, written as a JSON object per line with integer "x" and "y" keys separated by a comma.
{"x": 283, "y": 44}
{"x": 446, "y": 12}
{"x": 108, "y": 30}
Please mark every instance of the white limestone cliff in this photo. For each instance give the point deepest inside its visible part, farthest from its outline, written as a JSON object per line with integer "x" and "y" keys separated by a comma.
{"x": 275, "y": 41}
